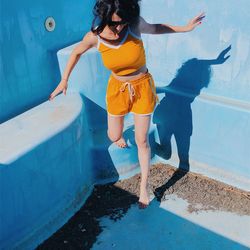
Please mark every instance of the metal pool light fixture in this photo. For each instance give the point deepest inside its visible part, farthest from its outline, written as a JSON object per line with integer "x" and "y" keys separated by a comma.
{"x": 50, "y": 24}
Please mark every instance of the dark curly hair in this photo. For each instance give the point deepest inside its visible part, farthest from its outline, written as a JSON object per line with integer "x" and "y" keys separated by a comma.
{"x": 127, "y": 10}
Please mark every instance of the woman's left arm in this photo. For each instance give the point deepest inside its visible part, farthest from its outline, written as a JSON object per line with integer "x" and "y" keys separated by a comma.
{"x": 148, "y": 28}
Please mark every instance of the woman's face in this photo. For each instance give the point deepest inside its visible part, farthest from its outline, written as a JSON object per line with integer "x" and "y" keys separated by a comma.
{"x": 113, "y": 29}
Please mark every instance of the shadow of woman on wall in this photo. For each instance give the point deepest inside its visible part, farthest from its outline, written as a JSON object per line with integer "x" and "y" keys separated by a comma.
{"x": 173, "y": 116}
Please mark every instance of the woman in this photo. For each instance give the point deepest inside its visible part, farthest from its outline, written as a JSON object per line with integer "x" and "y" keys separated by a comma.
{"x": 116, "y": 33}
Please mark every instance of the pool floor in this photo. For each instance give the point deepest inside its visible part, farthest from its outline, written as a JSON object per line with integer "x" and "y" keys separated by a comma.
{"x": 187, "y": 211}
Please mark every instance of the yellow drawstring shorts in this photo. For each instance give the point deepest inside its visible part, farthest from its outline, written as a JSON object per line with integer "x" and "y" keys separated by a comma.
{"x": 136, "y": 96}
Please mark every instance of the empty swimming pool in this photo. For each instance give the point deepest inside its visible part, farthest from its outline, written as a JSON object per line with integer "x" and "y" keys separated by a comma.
{"x": 53, "y": 153}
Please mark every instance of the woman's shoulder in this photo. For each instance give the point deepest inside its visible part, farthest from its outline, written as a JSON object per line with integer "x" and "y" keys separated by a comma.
{"x": 135, "y": 27}
{"x": 135, "y": 30}
{"x": 91, "y": 39}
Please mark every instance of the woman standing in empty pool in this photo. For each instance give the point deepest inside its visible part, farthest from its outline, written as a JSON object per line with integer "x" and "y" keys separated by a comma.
{"x": 116, "y": 33}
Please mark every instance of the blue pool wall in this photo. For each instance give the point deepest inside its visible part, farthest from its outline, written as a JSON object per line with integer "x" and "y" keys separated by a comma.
{"x": 42, "y": 187}
{"x": 204, "y": 100}
{"x": 203, "y": 117}
{"x": 202, "y": 80}
{"x": 29, "y": 67}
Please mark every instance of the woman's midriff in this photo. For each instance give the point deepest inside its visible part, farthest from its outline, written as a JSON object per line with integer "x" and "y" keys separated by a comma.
{"x": 135, "y": 75}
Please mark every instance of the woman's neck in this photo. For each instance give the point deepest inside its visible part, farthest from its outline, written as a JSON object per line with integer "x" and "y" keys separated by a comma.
{"x": 122, "y": 34}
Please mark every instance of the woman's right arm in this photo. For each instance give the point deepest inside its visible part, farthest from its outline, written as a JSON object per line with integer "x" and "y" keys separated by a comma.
{"x": 88, "y": 41}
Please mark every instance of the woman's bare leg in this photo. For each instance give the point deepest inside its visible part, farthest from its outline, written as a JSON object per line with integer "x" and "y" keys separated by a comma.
{"x": 142, "y": 123}
{"x": 115, "y": 130}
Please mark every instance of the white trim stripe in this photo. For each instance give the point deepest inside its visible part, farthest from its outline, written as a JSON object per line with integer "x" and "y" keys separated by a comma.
{"x": 116, "y": 115}
{"x": 142, "y": 114}
{"x": 128, "y": 113}
{"x": 98, "y": 42}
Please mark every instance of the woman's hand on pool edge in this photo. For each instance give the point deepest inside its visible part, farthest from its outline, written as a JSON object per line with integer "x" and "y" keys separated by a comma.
{"x": 62, "y": 87}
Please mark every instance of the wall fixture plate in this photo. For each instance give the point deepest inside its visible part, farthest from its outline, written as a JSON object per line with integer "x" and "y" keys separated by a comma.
{"x": 50, "y": 24}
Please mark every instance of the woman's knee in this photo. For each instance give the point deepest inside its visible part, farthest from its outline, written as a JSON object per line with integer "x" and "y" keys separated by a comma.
{"x": 141, "y": 142}
{"x": 114, "y": 136}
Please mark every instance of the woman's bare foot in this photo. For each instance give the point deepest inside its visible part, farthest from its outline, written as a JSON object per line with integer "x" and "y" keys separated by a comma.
{"x": 144, "y": 199}
{"x": 121, "y": 143}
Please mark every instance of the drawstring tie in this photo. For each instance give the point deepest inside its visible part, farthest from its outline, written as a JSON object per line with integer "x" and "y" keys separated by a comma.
{"x": 131, "y": 89}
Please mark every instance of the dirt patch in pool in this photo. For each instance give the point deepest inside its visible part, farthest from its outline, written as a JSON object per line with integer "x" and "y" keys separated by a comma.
{"x": 114, "y": 200}
{"x": 202, "y": 193}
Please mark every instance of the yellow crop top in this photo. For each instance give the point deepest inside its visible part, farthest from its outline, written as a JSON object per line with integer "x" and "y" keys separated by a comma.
{"x": 125, "y": 58}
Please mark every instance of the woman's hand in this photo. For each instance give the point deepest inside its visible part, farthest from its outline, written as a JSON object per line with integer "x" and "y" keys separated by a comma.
{"x": 62, "y": 87}
{"x": 193, "y": 23}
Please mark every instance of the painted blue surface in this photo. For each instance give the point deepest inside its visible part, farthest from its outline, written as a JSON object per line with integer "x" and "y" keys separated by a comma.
{"x": 169, "y": 225}
{"x": 205, "y": 100}
{"x": 28, "y": 66}
{"x": 51, "y": 155}
{"x": 36, "y": 177}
